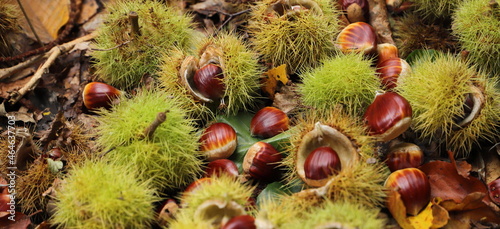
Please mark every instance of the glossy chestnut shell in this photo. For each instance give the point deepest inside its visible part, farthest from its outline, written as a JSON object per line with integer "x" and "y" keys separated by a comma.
{"x": 208, "y": 81}
{"x": 219, "y": 166}
{"x": 404, "y": 155}
{"x": 218, "y": 141}
{"x": 357, "y": 37}
{"x": 413, "y": 186}
{"x": 322, "y": 163}
{"x": 390, "y": 70}
{"x": 325, "y": 135}
{"x": 240, "y": 222}
{"x": 268, "y": 122}
{"x": 388, "y": 116}
{"x": 99, "y": 95}
{"x": 386, "y": 51}
{"x": 494, "y": 190}
{"x": 261, "y": 161}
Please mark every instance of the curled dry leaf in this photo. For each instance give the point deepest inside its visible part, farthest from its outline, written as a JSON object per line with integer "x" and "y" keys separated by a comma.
{"x": 448, "y": 184}
{"x": 433, "y": 216}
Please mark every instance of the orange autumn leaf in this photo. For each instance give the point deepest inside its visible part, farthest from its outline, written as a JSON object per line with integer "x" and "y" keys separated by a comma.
{"x": 272, "y": 77}
{"x": 432, "y": 216}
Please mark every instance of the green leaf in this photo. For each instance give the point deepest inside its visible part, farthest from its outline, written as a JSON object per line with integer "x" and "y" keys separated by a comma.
{"x": 414, "y": 56}
{"x": 54, "y": 166}
{"x": 276, "y": 189}
{"x": 241, "y": 124}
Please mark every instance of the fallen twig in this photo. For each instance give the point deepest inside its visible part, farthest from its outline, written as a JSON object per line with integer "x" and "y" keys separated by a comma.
{"x": 379, "y": 20}
{"x": 5, "y": 73}
{"x": 52, "y": 55}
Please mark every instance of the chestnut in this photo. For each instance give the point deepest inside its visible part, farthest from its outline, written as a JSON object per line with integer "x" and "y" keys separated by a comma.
{"x": 357, "y": 37}
{"x": 390, "y": 70}
{"x": 388, "y": 116}
{"x": 404, "y": 155}
{"x": 218, "y": 141}
{"x": 261, "y": 161}
{"x": 219, "y": 166}
{"x": 413, "y": 186}
{"x": 268, "y": 122}
{"x": 494, "y": 190}
{"x": 55, "y": 153}
{"x": 322, "y": 163}
{"x": 195, "y": 185}
{"x": 355, "y": 9}
{"x": 208, "y": 81}
{"x": 99, "y": 95}
{"x": 240, "y": 222}
{"x": 386, "y": 51}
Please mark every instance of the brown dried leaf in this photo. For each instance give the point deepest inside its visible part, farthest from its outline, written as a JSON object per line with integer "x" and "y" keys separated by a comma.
{"x": 46, "y": 16}
{"x": 448, "y": 184}
{"x": 19, "y": 221}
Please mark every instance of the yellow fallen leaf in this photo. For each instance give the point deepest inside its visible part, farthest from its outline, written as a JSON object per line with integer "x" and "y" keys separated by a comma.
{"x": 433, "y": 216}
{"x": 271, "y": 77}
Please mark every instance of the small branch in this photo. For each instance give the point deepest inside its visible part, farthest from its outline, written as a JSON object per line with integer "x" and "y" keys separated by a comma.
{"x": 379, "y": 20}
{"x": 133, "y": 18}
{"x": 5, "y": 73}
{"x": 53, "y": 54}
{"x": 231, "y": 16}
{"x": 150, "y": 130}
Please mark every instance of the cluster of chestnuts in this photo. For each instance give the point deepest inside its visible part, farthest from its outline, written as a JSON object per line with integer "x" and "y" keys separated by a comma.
{"x": 359, "y": 151}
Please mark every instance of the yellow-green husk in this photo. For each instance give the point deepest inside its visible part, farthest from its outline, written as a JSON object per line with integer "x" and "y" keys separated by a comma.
{"x": 240, "y": 68}
{"x": 362, "y": 182}
{"x": 299, "y": 40}
{"x": 346, "y": 79}
{"x": 124, "y": 57}
{"x": 436, "y": 91}
{"x": 476, "y": 24}
{"x": 171, "y": 158}
{"x": 103, "y": 195}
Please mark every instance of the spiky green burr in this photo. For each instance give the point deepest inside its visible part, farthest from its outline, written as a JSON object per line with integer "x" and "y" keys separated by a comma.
{"x": 347, "y": 80}
{"x": 438, "y": 90}
{"x": 476, "y": 24}
{"x": 100, "y": 195}
{"x": 170, "y": 157}
{"x": 298, "y": 33}
{"x": 125, "y": 55}
{"x": 239, "y": 66}
{"x": 339, "y": 214}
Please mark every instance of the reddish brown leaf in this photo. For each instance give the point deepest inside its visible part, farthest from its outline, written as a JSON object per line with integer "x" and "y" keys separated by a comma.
{"x": 17, "y": 221}
{"x": 448, "y": 184}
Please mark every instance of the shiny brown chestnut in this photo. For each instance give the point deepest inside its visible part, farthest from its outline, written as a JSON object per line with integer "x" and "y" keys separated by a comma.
{"x": 208, "y": 81}
{"x": 494, "y": 190}
{"x": 404, "y": 155}
{"x": 390, "y": 70}
{"x": 240, "y": 222}
{"x": 386, "y": 51}
{"x": 268, "y": 122}
{"x": 413, "y": 186}
{"x": 322, "y": 163}
{"x": 218, "y": 141}
{"x": 388, "y": 116}
{"x": 99, "y": 95}
{"x": 219, "y": 166}
{"x": 261, "y": 161}
{"x": 195, "y": 185}
{"x": 55, "y": 153}
{"x": 357, "y": 37}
